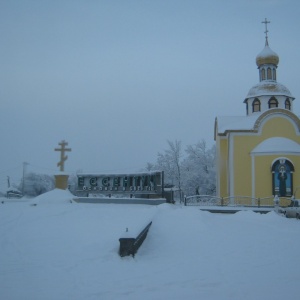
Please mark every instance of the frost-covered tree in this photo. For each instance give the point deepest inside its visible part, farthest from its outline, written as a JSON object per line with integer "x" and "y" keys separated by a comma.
{"x": 73, "y": 182}
{"x": 150, "y": 167}
{"x": 170, "y": 162}
{"x": 199, "y": 169}
{"x": 36, "y": 184}
{"x": 192, "y": 174}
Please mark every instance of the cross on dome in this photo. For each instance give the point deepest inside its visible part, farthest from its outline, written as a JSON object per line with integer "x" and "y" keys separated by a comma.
{"x": 267, "y": 56}
{"x": 266, "y": 31}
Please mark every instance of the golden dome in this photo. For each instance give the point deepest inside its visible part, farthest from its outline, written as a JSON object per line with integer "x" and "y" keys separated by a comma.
{"x": 267, "y": 56}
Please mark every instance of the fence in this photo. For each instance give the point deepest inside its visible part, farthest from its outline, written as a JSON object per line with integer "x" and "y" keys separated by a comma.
{"x": 203, "y": 200}
{"x": 207, "y": 200}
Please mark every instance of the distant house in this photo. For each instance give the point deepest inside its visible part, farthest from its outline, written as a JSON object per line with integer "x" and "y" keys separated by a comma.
{"x": 13, "y": 193}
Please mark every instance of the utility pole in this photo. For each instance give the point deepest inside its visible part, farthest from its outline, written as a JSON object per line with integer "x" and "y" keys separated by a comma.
{"x": 23, "y": 179}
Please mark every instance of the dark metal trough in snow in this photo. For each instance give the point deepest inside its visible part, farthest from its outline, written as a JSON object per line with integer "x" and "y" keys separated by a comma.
{"x": 130, "y": 245}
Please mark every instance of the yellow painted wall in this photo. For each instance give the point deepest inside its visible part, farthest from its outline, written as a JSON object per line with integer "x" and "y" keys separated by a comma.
{"x": 222, "y": 167}
{"x": 278, "y": 126}
{"x": 242, "y": 162}
{"x": 243, "y": 144}
{"x": 263, "y": 175}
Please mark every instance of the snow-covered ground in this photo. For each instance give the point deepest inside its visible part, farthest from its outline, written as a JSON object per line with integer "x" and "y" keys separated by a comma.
{"x": 62, "y": 250}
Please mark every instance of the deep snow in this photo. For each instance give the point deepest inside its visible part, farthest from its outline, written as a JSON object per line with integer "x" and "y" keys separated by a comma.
{"x": 51, "y": 248}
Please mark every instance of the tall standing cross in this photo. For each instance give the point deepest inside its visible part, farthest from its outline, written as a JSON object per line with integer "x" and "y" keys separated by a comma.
{"x": 266, "y": 31}
{"x": 63, "y": 157}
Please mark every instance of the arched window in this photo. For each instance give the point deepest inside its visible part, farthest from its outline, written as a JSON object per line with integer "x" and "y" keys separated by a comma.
{"x": 273, "y": 102}
{"x": 263, "y": 74}
{"x": 287, "y": 104}
{"x": 256, "y": 105}
{"x": 274, "y": 74}
{"x": 269, "y": 73}
{"x": 282, "y": 178}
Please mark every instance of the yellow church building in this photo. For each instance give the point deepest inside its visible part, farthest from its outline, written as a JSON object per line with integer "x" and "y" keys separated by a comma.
{"x": 258, "y": 155}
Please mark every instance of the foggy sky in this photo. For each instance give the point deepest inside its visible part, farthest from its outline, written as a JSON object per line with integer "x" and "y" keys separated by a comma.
{"x": 117, "y": 79}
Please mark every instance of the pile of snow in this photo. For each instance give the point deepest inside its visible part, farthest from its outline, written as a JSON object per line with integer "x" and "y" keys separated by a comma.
{"x": 54, "y": 196}
{"x": 70, "y": 251}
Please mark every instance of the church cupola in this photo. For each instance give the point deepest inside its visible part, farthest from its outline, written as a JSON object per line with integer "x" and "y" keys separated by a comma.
{"x": 267, "y": 57}
{"x": 267, "y": 60}
{"x": 268, "y": 93}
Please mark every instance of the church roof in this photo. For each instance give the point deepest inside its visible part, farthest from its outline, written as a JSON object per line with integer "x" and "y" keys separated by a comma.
{"x": 269, "y": 88}
{"x": 234, "y": 123}
{"x": 224, "y": 124}
{"x": 278, "y": 145}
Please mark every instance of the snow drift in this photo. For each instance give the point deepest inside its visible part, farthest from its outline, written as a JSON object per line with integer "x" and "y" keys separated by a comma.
{"x": 70, "y": 251}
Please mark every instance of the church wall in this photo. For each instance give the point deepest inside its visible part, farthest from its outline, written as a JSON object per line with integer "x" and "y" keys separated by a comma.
{"x": 279, "y": 126}
{"x": 218, "y": 168}
{"x": 263, "y": 174}
{"x": 242, "y": 163}
{"x": 296, "y": 176}
{"x": 222, "y": 166}
{"x": 235, "y": 160}
{"x": 244, "y": 143}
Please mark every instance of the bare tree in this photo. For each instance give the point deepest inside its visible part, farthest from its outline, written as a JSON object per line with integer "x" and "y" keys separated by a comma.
{"x": 170, "y": 163}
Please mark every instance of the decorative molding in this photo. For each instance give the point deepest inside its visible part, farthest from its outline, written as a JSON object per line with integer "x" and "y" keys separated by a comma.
{"x": 276, "y": 111}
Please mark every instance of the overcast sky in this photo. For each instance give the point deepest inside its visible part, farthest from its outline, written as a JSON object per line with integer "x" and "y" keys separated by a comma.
{"x": 117, "y": 79}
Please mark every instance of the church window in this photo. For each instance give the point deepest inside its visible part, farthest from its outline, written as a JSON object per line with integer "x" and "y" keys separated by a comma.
{"x": 274, "y": 74}
{"x": 273, "y": 103}
{"x": 256, "y": 105}
{"x": 287, "y": 104}
{"x": 282, "y": 178}
{"x": 263, "y": 74}
{"x": 269, "y": 74}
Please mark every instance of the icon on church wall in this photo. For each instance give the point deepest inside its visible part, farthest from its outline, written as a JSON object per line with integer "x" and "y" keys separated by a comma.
{"x": 282, "y": 178}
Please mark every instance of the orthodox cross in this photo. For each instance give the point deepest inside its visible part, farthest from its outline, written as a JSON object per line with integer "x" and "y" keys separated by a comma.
{"x": 266, "y": 31}
{"x": 63, "y": 157}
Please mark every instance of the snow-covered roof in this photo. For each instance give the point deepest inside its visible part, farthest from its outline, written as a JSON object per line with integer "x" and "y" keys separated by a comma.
{"x": 269, "y": 88}
{"x": 277, "y": 145}
{"x": 236, "y": 123}
{"x": 245, "y": 123}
